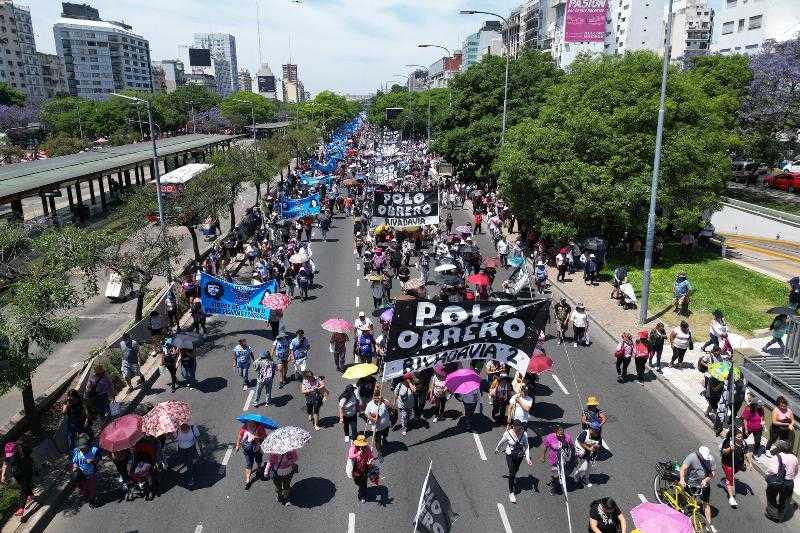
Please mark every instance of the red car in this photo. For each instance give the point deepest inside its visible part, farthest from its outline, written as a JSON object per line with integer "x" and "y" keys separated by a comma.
{"x": 787, "y": 181}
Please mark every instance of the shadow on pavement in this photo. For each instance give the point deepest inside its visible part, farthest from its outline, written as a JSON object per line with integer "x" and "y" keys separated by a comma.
{"x": 312, "y": 492}
{"x": 280, "y": 401}
{"x": 547, "y": 411}
{"x": 209, "y": 385}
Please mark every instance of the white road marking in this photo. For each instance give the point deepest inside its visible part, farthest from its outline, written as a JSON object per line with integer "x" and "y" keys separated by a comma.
{"x": 561, "y": 385}
{"x": 479, "y": 444}
{"x": 504, "y": 517}
{"x": 358, "y": 282}
{"x": 355, "y": 252}
{"x": 249, "y": 399}
{"x": 358, "y": 301}
{"x": 358, "y": 266}
{"x": 228, "y": 454}
{"x": 641, "y": 497}
{"x": 351, "y": 523}
{"x": 199, "y": 528}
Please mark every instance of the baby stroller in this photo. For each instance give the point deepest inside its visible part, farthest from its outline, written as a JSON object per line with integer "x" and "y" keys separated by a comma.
{"x": 142, "y": 478}
{"x": 627, "y": 296}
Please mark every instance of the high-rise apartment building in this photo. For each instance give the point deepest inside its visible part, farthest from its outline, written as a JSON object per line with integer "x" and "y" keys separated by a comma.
{"x": 293, "y": 89}
{"x": 101, "y": 57}
{"x": 223, "y": 50}
{"x": 245, "y": 81}
{"x": 478, "y": 41}
{"x": 290, "y": 72}
{"x": 442, "y": 71}
{"x": 159, "y": 78}
{"x": 745, "y": 26}
{"x": 52, "y": 69}
{"x": 19, "y": 67}
{"x": 692, "y": 27}
{"x": 266, "y": 85}
{"x": 174, "y": 74}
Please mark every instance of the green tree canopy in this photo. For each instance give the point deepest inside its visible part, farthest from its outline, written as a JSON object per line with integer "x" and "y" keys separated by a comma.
{"x": 9, "y": 96}
{"x": 238, "y": 110}
{"x": 583, "y": 165}
{"x": 328, "y": 110}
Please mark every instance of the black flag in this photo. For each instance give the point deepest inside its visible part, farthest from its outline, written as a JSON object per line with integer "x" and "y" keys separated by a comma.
{"x": 435, "y": 514}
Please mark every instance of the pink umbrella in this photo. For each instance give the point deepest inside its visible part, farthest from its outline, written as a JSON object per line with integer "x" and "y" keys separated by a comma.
{"x": 276, "y": 301}
{"x": 462, "y": 381}
{"x": 539, "y": 363}
{"x": 658, "y": 518}
{"x": 166, "y": 417}
{"x": 122, "y": 433}
{"x": 337, "y": 325}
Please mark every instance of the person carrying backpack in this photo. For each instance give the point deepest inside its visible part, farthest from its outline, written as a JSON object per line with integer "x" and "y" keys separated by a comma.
{"x": 540, "y": 276}
{"x": 242, "y": 359}
{"x": 515, "y": 444}
{"x": 18, "y": 464}
{"x": 130, "y": 360}
{"x": 264, "y": 368}
{"x": 304, "y": 282}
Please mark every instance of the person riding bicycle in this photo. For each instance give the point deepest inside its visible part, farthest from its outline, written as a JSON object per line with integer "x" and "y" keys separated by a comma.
{"x": 697, "y": 472}
{"x": 681, "y": 291}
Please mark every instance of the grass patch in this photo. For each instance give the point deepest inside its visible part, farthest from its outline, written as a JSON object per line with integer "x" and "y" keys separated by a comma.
{"x": 741, "y": 294}
{"x": 9, "y": 502}
{"x": 757, "y": 197}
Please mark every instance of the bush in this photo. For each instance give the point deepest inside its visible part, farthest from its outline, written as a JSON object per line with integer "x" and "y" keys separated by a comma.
{"x": 63, "y": 144}
{"x": 9, "y": 500}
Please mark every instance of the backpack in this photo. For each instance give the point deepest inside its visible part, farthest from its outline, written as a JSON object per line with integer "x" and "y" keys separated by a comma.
{"x": 364, "y": 345}
{"x": 266, "y": 371}
{"x": 541, "y": 274}
{"x": 518, "y": 450}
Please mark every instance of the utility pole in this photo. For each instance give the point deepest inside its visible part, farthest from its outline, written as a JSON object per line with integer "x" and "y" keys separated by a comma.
{"x": 651, "y": 218}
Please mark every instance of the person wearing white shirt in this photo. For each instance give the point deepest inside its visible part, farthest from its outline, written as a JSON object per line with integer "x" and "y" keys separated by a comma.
{"x": 502, "y": 251}
{"x": 580, "y": 323}
{"x": 515, "y": 444}
{"x": 717, "y": 331}
{"x": 519, "y": 407}
{"x": 361, "y": 322}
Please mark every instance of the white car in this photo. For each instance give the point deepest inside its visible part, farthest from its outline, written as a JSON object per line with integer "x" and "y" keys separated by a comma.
{"x": 793, "y": 166}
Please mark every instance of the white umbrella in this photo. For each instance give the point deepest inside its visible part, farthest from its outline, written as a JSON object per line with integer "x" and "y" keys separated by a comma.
{"x": 444, "y": 268}
{"x": 298, "y": 259}
{"x": 285, "y": 439}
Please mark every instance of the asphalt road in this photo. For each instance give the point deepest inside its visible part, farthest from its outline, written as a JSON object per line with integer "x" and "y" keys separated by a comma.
{"x": 646, "y": 424}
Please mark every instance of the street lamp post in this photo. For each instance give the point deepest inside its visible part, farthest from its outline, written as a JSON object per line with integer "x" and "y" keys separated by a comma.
{"x": 429, "y": 101}
{"x": 449, "y": 54}
{"x": 155, "y": 168}
{"x": 194, "y": 122}
{"x": 252, "y": 114}
{"x": 508, "y": 58}
{"x": 651, "y": 217}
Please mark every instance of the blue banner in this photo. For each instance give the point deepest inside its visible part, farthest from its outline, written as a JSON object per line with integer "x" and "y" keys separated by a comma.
{"x": 220, "y": 297}
{"x": 300, "y": 207}
{"x": 328, "y": 167}
{"x": 309, "y": 180}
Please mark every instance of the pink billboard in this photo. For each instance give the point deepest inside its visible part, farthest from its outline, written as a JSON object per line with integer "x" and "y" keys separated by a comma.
{"x": 585, "y": 21}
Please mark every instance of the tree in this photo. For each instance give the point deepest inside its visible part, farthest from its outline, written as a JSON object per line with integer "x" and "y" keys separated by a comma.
{"x": 18, "y": 116}
{"x": 231, "y": 169}
{"x": 328, "y": 110}
{"x": 47, "y": 277}
{"x": 583, "y": 165}
{"x": 302, "y": 139}
{"x": 237, "y": 109}
{"x": 63, "y": 144}
{"x": 9, "y": 96}
{"x": 69, "y": 115}
{"x": 476, "y": 113}
{"x": 771, "y": 107}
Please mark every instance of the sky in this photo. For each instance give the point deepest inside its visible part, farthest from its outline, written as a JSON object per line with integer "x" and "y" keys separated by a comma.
{"x": 350, "y": 46}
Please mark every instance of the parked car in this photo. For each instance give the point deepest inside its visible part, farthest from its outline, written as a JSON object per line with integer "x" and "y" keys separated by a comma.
{"x": 786, "y": 181}
{"x": 748, "y": 172}
{"x": 792, "y": 166}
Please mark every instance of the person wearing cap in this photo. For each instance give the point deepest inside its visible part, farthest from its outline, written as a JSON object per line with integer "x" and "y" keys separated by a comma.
{"x": 364, "y": 347}
{"x": 84, "y": 469}
{"x": 593, "y": 413}
{"x": 540, "y": 276}
{"x": 590, "y": 270}
{"x": 18, "y": 464}
{"x": 361, "y": 321}
{"x": 514, "y": 443}
{"x": 697, "y": 472}
{"x": 580, "y": 324}
{"x": 587, "y": 444}
{"x": 717, "y": 331}
{"x": 681, "y": 291}
{"x": 359, "y": 461}
{"x": 242, "y": 360}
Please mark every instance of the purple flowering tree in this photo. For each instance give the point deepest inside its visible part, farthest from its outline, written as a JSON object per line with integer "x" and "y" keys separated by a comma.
{"x": 12, "y": 116}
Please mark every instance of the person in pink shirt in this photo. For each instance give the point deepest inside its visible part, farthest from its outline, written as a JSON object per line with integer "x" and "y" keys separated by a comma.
{"x": 551, "y": 446}
{"x": 359, "y": 460}
{"x": 280, "y": 468}
{"x": 753, "y": 422}
{"x": 779, "y": 494}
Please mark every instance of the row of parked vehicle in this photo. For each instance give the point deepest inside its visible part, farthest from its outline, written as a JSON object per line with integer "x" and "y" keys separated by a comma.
{"x": 786, "y": 178}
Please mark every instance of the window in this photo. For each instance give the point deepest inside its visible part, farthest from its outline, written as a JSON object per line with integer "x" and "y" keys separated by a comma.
{"x": 731, "y": 3}
{"x": 751, "y": 47}
{"x": 740, "y": 26}
{"x": 727, "y": 28}
{"x": 755, "y": 22}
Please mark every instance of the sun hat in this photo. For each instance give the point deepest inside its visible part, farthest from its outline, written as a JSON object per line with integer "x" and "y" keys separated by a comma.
{"x": 361, "y": 314}
{"x": 360, "y": 441}
{"x": 592, "y": 400}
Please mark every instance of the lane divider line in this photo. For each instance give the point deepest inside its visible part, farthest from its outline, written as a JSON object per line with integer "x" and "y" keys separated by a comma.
{"x": 504, "y": 517}
{"x": 358, "y": 266}
{"x": 358, "y": 302}
{"x": 351, "y": 523}
{"x": 479, "y": 444}
{"x": 199, "y": 528}
{"x": 249, "y": 399}
{"x": 228, "y": 454}
{"x": 642, "y": 498}
{"x": 561, "y": 385}
{"x": 358, "y": 282}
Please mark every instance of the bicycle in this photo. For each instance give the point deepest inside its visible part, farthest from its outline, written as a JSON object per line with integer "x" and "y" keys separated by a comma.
{"x": 668, "y": 491}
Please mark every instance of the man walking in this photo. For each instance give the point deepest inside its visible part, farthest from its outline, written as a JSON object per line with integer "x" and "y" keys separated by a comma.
{"x": 242, "y": 359}
{"x": 130, "y": 360}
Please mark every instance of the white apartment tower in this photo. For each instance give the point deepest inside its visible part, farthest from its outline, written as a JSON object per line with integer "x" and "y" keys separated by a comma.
{"x": 19, "y": 66}
{"x": 744, "y": 26}
{"x": 223, "y": 50}
{"x": 692, "y": 28}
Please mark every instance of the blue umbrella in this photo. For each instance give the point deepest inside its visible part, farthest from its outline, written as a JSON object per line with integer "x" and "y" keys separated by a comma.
{"x": 516, "y": 261}
{"x": 258, "y": 419}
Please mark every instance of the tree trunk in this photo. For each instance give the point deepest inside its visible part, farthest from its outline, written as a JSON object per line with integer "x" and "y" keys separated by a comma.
{"x": 28, "y": 400}
{"x": 231, "y": 210}
{"x": 258, "y": 193}
{"x": 195, "y": 245}
{"x": 140, "y": 298}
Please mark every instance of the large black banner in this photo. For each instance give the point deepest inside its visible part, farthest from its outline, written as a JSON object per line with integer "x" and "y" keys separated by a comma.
{"x": 424, "y": 334}
{"x": 409, "y": 208}
{"x": 434, "y": 514}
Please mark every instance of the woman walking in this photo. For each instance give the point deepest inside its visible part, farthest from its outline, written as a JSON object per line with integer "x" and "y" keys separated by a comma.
{"x": 515, "y": 444}
{"x": 404, "y": 399}
{"x": 359, "y": 461}
{"x": 18, "y": 464}
{"x": 656, "y": 342}
{"x": 313, "y": 388}
{"x": 348, "y": 412}
{"x": 280, "y": 468}
{"x": 580, "y": 323}
{"x": 500, "y": 392}
{"x": 782, "y": 423}
{"x": 377, "y": 413}
{"x": 641, "y": 352}
{"x": 249, "y": 441}
{"x": 169, "y": 360}
{"x": 734, "y": 458}
{"x": 680, "y": 338}
{"x": 623, "y": 355}
{"x": 606, "y": 517}
{"x": 338, "y": 346}
{"x": 75, "y": 417}
{"x": 437, "y": 392}
{"x": 753, "y": 421}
